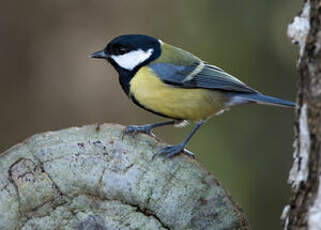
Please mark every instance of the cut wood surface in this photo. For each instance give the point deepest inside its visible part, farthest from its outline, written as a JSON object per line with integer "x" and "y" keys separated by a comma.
{"x": 93, "y": 177}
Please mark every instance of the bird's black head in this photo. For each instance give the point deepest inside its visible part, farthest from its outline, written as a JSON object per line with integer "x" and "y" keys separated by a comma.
{"x": 127, "y": 53}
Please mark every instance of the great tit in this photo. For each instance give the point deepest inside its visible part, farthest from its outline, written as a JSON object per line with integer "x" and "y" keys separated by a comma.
{"x": 175, "y": 84}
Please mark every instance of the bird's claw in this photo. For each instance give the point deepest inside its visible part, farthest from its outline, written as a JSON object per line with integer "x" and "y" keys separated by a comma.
{"x": 189, "y": 153}
{"x": 135, "y": 129}
{"x": 172, "y": 150}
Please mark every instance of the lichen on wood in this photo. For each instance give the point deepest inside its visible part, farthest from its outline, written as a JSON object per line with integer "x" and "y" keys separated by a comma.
{"x": 304, "y": 209}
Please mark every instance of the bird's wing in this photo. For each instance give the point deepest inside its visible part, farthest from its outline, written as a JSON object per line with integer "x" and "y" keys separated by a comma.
{"x": 198, "y": 75}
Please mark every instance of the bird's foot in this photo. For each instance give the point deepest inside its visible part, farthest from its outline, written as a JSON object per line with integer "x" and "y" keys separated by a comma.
{"x": 135, "y": 129}
{"x": 172, "y": 150}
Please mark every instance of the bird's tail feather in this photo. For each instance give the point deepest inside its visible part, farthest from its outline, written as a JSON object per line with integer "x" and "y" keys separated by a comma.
{"x": 242, "y": 98}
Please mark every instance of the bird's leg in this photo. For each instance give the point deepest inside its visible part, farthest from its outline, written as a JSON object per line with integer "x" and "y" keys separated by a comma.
{"x": 172, "y": 150}
{"x": 134, "y": 129}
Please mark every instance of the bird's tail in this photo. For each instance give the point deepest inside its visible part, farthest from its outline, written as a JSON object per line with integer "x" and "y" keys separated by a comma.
{"x": 242, "y": 98}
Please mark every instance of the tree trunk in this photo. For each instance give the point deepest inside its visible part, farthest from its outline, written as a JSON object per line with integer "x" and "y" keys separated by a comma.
{"x": 95, "y": 178}
{"x": 304, "y": 210}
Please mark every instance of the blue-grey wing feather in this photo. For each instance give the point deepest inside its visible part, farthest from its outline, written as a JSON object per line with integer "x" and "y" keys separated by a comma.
{"x": 170, "y": 73}
{"x": 210, "y": 77}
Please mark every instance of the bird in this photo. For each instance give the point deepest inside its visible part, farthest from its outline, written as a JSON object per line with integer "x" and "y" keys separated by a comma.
{"x": 175, "y": 84}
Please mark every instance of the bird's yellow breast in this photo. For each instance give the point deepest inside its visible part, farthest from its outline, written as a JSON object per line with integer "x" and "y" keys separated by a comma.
{"x": 179, "y": 103}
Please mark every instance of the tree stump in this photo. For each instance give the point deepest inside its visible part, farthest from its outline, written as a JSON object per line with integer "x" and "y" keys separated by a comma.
{"x": 93, "y": 177}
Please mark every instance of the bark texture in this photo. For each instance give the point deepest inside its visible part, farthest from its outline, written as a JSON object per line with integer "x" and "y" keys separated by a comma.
{"x": 93, "y": 177}
{"x": 304, "y": 210}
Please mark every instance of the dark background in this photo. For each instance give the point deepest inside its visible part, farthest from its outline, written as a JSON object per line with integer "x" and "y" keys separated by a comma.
{"x": 48, "y": 82}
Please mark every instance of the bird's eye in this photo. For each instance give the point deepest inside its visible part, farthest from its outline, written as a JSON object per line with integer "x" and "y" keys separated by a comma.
{"x": 121, "y": 50}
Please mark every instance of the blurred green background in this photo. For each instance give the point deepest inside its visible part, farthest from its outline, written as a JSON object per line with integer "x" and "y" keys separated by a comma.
{"x": 48, "y": 82}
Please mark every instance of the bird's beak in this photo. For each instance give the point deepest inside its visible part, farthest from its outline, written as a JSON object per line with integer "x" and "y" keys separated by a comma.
{"x": 99, "y": 54}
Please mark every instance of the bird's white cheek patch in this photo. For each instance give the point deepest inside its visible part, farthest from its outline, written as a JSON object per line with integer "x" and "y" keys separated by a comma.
{"x": 130, "y": 60}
